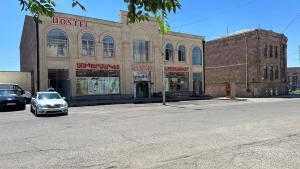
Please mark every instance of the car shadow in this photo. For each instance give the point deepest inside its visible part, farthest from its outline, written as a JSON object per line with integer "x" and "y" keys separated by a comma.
{"x": 51, "y": 115}
{"x": 10, "y": 109}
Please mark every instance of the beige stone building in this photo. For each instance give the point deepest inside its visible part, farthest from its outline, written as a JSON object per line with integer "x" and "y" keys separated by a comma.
{"x": 88, "y": 57}
{"x": 246, "y": 64}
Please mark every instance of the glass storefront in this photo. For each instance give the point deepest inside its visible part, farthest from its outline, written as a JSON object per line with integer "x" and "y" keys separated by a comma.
{"x": 178, "y": 81}
{"x": 97, "y": 82}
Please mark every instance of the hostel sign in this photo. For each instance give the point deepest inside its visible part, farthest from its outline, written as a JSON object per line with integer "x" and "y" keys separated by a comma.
{"x": 56, "y": 20}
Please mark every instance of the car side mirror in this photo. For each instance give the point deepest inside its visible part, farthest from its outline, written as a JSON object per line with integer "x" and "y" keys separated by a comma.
{"x": 64, "y": 98}
{"x": 22, "y": 92}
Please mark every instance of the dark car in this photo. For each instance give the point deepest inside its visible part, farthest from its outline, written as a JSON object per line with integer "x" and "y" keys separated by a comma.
{"x": 11, "y": 99}
{"x": 25, "y": 94}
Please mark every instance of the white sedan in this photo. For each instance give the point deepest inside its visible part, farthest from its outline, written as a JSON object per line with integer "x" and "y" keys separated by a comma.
{"x": 48, "y": 103}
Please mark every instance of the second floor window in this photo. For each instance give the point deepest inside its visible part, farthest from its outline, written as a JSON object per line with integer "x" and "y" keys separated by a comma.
{"x": 108, "y": 46}
{"x": 265, "y": 50}
{"x": 271, "y": 72}
{"x": 88, "y": 44}
{"x": 181, "y": 53}
{"x": 276, "y": 72}
{"x": 271, "y": 51}
{"x": 141, "y": 51}
{"x": 276, "y": 51}
{"x": 57, "y": 43}
{"x": 265, "y": 72}
{"x": 169, "y": 52}
{"x": 196, "y": 56}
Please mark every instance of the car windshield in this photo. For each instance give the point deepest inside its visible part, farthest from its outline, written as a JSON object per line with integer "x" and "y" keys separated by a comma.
{"x": 43, "y": 96}
{"x": 8, "y": 92}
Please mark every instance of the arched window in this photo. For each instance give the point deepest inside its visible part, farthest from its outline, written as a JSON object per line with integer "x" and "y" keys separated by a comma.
{"x": 57, "y": 43}
{"x": 108, "y": 46}
{"x": 181, "y": 53}
{"x": 88, "y": 44}
{"x": 197, "y": 56}
{"x": 169, "y": 52}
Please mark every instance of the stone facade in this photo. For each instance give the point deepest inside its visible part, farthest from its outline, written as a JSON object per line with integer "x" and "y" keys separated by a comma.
{"x": 132, "y": 76}
{"x": 293, "y": 75}
{"x": 251, "y": 63}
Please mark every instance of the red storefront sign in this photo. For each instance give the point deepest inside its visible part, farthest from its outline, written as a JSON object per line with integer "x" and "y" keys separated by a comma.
{"x": 68, "y": 22}
{"x": 98, "y": 66}
{"x": 139, "y": 67}
{"x": 177, "y": 69}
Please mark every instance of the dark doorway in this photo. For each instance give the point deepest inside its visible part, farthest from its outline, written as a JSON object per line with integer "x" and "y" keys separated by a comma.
{"x": 197, "y": 87}
{"x": 142, "y": 89}
{"x": 59, "y": 80}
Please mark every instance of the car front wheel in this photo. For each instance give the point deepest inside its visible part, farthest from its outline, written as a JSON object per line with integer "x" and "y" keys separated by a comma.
{"x": 36, "y": 112}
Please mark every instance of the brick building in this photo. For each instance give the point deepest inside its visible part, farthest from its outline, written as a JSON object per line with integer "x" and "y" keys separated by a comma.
{"x": 246, "y": 64}
{"x": 293, "y": 75}
{"x": 84, "y": 57}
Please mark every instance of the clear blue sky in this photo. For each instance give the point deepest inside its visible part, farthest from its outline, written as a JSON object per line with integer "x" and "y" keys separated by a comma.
{"x": 201, "y": 17}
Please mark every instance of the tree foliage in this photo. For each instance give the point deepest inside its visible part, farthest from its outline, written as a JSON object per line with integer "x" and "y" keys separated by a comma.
{"x": 138, "y": 10}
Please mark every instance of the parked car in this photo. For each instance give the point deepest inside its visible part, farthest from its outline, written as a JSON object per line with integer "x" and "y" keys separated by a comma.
{"x": 11, "y": 99}
{"x": 25, "y": 94}
{"x": 48, "y": 103}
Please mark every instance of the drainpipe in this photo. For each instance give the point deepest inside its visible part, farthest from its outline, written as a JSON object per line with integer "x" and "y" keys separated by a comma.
{"x": 203, "y": 66}
{"x": 246, "y": 54}
{"x": 36, "y": 20}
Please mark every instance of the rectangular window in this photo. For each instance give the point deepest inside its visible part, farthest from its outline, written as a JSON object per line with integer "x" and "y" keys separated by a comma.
{"x": 57, "y": 47}
{"x": 141, "y": 51}
{"x": 271, "y": 51}
{"x": 178, "y": 81}
{"x": 265, "y": 50}
{"x": 97, "y": 82}
{"x": 271, "y": 73}
{"x": 276, "y": 52}
{"x": 265, "y": 72}
{"x": 276, "y": 72}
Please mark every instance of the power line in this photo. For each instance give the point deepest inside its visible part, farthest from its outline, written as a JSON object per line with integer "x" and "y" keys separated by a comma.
{"x": 218, "y": 13}
{"x": 291, "y": 22}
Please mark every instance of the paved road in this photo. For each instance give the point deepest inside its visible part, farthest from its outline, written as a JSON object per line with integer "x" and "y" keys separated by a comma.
{"x": 214, "y": 134}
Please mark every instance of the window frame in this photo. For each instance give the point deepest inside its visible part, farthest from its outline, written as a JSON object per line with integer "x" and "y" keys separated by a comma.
{"x": 170, "y": 51}
{"x": 181, "y": 53}
{"x": 199, "y": 56}
{"x": 265, "y": 50}
{"x": 60, "y": 52}
{"x": 88, "y": 47}
{"x": 265, "y": 72}
{"x": 271, "y": 73}
{"x": 141, "y": 48}
{"x": 107, "y": 47}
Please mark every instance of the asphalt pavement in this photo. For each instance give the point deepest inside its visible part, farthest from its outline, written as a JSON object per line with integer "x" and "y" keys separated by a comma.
{"x": 206, "y": 134}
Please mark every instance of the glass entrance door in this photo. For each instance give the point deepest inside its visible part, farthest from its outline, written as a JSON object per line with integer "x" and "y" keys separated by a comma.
{"x": 142, "y": 89}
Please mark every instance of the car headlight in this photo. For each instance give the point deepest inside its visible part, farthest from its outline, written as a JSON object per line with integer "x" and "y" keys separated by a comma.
{"x": 65, "y": 105}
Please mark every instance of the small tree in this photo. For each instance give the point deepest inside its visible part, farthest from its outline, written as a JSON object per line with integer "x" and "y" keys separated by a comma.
{"x": 138, "y": 10}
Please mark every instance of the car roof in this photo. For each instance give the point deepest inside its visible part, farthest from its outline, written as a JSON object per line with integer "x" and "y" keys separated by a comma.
{"x": 47, "y": 92}
{"x": 8, "y": 84}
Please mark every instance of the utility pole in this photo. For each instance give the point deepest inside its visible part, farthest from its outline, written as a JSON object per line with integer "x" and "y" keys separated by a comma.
{"x": 163, "y": 71}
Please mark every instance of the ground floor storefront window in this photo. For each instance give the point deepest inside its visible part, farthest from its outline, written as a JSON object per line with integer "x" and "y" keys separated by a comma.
{"x": 178, "y": 81}
{"x": 97, "y": 82}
